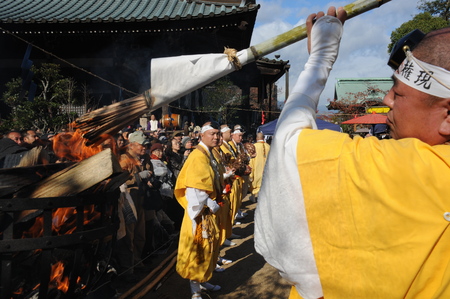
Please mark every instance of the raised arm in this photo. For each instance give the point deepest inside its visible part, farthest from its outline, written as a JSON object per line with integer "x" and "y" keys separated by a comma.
{"x": 281, "y": 229}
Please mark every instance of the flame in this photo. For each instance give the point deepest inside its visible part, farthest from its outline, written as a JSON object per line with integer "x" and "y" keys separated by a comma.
{"x": 57, "y": 278}
{"x": 63, "y": 221}
{"x": 72, "y": 146}
{"x": 19, "y": 291}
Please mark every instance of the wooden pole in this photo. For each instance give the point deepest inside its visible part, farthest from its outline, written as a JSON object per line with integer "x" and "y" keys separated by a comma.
{"x": 71, "y": 180}
{"x": 156, "y": 280}
{"x": 150, "y": 275}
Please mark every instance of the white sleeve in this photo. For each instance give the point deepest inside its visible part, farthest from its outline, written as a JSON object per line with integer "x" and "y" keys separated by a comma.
{"x": 196, "y": 199}
{"x": 281, "y": 227}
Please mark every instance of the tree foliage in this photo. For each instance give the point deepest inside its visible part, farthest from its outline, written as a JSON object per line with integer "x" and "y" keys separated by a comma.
{"x": 434, "y": 15}
{"x": 425, "y": 21}
{"x": 437, "y": 8}
{"x": 44, "y": 112}
{"x": 218, "y": 97}
{"x": 356, "y": 103}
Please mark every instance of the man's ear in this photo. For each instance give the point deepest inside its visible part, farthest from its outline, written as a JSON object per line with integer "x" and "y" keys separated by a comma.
{"x": 444, "y": 129}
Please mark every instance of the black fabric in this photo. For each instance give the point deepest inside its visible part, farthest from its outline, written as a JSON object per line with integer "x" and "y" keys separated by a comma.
{"x": 175, "y": 162}
{"x": 9, "y": 147}
{"x": 152, "y": 197}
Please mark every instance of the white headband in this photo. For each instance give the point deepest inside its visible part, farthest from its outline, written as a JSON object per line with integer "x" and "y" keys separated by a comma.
{"x": 237, "y": 131}
{"x": 206, "y": 128}
{"x": 224, "y": 129}
{"x": 425, "y": 77}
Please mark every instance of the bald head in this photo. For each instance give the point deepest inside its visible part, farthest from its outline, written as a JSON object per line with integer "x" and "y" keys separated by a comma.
{"x": 435, "y": 48}
{"x": 259, "y": 136}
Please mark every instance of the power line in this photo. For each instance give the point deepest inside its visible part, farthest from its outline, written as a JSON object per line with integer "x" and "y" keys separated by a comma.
{"x": 67, "y": 62}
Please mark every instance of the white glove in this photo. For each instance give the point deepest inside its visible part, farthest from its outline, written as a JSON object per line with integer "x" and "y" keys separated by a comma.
{"x": 212, "y": 205}
{"x": 326, "y": 35}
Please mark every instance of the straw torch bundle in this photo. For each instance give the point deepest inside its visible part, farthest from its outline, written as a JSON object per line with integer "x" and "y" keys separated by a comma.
{"x": 174, "y": 77}
{"x": 111, "y": 119}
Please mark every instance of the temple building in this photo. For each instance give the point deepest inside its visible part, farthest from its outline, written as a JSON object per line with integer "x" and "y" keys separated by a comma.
{"x": 364, "y": 94}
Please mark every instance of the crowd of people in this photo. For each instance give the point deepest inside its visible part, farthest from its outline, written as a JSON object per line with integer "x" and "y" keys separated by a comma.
{"x": 187, "y": 185}
{"x": 339, "y": 217}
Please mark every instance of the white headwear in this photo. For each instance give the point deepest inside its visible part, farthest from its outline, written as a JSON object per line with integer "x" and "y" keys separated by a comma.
{"x": 425, "y": 77}
{"x": 206, "y": 128}
{"x": 225, "y": 129}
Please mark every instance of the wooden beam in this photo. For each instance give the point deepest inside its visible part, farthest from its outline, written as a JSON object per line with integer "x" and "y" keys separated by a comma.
{"x": 13, "y": 179}
{"x": 73, "y": 179}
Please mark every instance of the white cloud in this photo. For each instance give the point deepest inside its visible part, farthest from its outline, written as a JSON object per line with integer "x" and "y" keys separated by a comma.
{"x": 363, "y": 51}
{"x": 273, "y": 11}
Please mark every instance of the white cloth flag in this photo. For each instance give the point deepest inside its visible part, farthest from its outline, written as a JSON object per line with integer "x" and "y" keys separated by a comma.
{"x": 174, "y": 77}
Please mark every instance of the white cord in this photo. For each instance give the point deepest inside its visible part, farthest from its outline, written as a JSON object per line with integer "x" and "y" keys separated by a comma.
{"x": 410, "y": 56}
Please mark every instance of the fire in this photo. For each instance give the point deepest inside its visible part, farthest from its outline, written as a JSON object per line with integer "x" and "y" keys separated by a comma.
{"x": 67, "y": 146}
{"x": 57, "y": 278}
{"x": 63, "y": 221}
{"x": 72, "y": 146}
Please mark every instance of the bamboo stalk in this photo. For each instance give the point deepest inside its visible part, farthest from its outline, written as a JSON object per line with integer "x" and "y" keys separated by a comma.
{"x": 150, "y": 275}
{"x": 298, "y": 33}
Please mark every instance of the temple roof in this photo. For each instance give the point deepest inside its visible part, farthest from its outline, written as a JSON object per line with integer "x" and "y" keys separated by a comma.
{"x": 105, "y": 11}
{"x": 362, "y": 88}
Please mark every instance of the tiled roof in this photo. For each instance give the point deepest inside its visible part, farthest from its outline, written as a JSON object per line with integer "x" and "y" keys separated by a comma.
{"x": 85, "y": 11}
{"x": 346, "y": 87}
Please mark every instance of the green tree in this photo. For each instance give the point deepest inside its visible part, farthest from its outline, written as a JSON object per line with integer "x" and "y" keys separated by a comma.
{"x": 437, "y": 8}
{"x": 45, "y": 111}
{"x": 218, "y": 99}
{"x": 423, "y": 21}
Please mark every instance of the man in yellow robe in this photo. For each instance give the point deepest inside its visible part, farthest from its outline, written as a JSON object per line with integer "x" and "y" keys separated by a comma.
{"x": 362, "y": 218}
{"x": 241, "y": 184}
{"x": 198, "y": 190}
{"x": 225, "y": 146}
{"x": 229, "y": 149}
{"x": 257, "y": 164}
{"x": 225, "y": 216}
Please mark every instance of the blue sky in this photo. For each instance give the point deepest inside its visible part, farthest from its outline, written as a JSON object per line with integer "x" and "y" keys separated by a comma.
{"x": 363, "y": 52}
